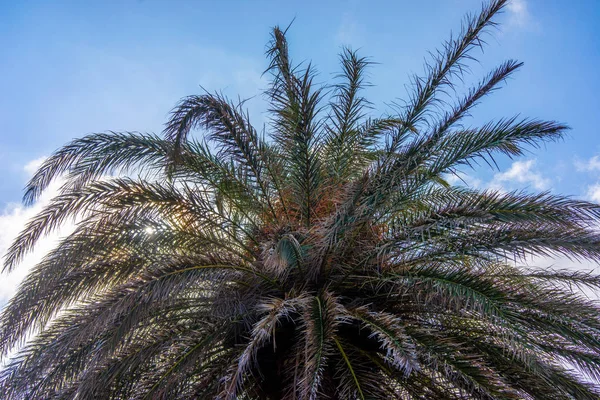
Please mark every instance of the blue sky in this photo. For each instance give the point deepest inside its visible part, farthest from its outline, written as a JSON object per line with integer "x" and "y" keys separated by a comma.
{"x": 71, "y": 67}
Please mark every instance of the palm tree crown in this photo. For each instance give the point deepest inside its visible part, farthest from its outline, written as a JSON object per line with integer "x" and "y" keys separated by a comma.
{"x": 326, "y": 258}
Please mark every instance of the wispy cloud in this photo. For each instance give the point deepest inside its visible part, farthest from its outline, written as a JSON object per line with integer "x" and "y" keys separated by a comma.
{"x": 593, "y": 164}
{"x": 350, "y": 32}
{"x": 519, "y": 16}
{"x": 519, "y": 12}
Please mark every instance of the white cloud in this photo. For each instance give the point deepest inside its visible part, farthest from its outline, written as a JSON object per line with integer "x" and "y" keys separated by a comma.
{"x": 563, "y": 262}
{"x": 461, "y": 178}
{"x": 518, "y": 11}
{"x": 593, "y": 164}
{"x": 593, "y": 193}
{"x": 520, "y": 173}
{"x": 32, "y": 166}
{"x": 12, "y": 221}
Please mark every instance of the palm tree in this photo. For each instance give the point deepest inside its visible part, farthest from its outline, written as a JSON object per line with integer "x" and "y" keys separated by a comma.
{"x": 327, "y": 258}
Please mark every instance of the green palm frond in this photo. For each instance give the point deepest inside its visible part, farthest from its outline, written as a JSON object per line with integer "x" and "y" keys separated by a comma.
{"x": 347, "y": 142}
{"x": 296, "y": 123}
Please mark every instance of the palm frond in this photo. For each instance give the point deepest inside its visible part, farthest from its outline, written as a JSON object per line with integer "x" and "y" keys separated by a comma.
{"x": 295, "y": 106}
{"x": 345, "y": 140}
{"x": 446, "y": 64}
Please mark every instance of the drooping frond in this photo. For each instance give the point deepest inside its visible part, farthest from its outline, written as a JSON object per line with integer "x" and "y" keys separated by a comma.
{"x": 230, "y": 129}
{"x": 320, "y": 320}
{"x": 398, "y": 346}
{"x": 99, "y": 154}
{"x": 263, "y": 334}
